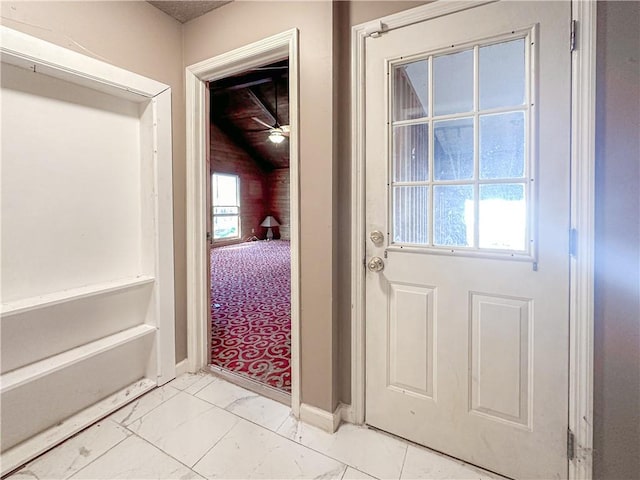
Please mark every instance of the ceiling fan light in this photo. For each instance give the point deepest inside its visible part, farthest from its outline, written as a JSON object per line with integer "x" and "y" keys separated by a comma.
{"x": 276, "y": 137}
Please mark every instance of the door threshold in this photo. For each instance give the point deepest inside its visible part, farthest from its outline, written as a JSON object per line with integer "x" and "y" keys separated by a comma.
{"x": 253, "y": 385}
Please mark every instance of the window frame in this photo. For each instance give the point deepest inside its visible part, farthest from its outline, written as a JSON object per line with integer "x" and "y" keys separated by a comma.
{"x": 528, "y": 180}
{"x": 237, "y": 205}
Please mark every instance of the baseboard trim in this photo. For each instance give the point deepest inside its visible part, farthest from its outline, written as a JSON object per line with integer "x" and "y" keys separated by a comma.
{"x": 346, "y": 413}
{"x": 182, "y": 367}
{"x": 20, "y": 454}
{"x": 329, "y": 422}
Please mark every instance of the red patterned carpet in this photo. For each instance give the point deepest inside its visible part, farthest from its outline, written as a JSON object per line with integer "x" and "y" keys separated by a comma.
{"x": 251, "y": 311}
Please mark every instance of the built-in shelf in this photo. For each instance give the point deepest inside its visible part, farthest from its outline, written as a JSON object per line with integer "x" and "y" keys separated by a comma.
{"x": 43, "y": 301}
{"x": 33, "y": 371}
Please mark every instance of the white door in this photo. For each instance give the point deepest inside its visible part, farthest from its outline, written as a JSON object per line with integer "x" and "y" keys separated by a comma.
{"x": 467, "y": 181}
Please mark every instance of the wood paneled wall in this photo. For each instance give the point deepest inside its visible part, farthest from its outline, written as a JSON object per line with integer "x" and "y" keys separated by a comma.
{"x": 279, "y": 200}
{"x": 261, "y": 193}
{"x": 226, "y": 157}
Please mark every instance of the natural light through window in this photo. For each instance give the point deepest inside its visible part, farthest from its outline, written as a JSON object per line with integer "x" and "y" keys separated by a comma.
{"x": 459, "y": 135}
{"x": 225, "y": 208}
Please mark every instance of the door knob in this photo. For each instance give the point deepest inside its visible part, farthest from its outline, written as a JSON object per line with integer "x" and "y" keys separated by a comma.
{"x": 376, "y": 237}
{"x": 375, "y": 264}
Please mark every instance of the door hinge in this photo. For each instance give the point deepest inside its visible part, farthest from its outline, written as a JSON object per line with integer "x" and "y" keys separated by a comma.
{"x": 573, "y": 242}
{"x": 572, "y": 38}
{"x": 571, "y": 445}
{"x": 375, "y": 30}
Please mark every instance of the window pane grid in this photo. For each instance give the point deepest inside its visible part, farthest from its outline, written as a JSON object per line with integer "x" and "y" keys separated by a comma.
{"x": 225, "y": 211}
{"x": 462, "y": 188}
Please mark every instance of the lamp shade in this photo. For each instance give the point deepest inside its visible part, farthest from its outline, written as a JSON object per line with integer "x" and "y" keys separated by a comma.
{"x": 269, "y": 222}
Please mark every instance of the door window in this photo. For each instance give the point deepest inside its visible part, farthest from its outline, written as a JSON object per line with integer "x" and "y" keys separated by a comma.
{"x": 459, "y": 136}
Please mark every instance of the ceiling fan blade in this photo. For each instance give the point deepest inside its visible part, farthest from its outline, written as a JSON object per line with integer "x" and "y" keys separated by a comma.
{"x": 285, "y": 128}
{"x": 261, "y": 122}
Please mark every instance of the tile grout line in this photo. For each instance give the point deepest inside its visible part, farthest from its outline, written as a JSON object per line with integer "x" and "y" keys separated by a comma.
{"x": 298, "y": 421}
{"x": 213, "y": 379}
{"x": 282, "y": 423}
{"x": 134, "y": 434}
{"x": 106, "y": 451}
{"x": 404, "y": 460}
{"x": 213, "y": 446}
{"x": 109, "y": 419}
{"x": 344, "y": 472}
{"x": 157, "y": 389}
{"x": 346, "y": 464}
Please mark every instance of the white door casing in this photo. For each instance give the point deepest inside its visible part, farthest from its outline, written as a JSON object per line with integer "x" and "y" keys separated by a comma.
{"x": 467, "y": 349}
{"x": 271, "y": 49}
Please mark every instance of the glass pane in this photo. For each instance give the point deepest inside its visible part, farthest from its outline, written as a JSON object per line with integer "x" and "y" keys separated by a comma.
{"x": 453, "y": 215}
{"x": 229, "y": 210}
{"x": 502, "y": 145}
{"x": 502, "y": 74}
{"x": 411, "y": 153}
{"x": 224, "y": 189}
{"x": 453, "y": 83}
{"x": 503, "y": 217}
{"x": 410, "y": 90}
{"x": 410, "y": 215}
{"x": 225, "y": 227}
{"x": 453, "y": 149}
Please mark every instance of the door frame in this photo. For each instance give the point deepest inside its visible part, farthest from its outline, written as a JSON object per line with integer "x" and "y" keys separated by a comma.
{"x": 583, "y": 64}
{"x": 268, "y": 50}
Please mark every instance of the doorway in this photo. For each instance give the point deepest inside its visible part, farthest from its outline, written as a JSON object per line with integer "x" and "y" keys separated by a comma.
{"x": 263, "y": 52}
{"x": 250, "y": 256}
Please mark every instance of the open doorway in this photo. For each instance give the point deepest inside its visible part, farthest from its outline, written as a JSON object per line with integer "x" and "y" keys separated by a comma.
{"x": 250, "y": 214}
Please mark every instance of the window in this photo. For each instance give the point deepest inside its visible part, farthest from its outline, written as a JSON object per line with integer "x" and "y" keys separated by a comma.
{"x": 225, "y": 199}
{"x": 460, "y": 168}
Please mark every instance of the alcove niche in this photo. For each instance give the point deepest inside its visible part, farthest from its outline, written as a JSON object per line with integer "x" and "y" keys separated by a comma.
{"x": 87, "y": 315}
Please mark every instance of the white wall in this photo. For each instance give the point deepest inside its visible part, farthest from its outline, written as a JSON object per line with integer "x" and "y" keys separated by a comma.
{"x": 138, "y": 37}
{"x": 70, "y": 192}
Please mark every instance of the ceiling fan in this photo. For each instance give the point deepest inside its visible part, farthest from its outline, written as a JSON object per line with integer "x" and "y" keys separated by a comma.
{"x": 277, "y": 132}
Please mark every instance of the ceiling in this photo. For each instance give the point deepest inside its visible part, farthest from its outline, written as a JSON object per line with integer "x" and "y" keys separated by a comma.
{"x": 185, "y": 10}
{"x": 236, "y": 100}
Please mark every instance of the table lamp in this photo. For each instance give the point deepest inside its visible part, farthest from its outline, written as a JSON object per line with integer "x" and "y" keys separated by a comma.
{"x": 269, "y": 222}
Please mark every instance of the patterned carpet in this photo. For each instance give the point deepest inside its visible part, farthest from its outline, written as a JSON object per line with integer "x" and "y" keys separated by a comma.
{"x": 251, "y": 311}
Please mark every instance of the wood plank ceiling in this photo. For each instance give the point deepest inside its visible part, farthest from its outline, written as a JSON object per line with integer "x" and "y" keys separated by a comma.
{"x": 236, "y": 102}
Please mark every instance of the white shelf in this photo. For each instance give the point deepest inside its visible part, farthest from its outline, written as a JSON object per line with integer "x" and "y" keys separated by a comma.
{"x": 43, "y": 301}
{"x": 34, "y": 371}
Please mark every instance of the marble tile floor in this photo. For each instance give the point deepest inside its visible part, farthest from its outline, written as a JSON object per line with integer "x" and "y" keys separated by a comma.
{"x": 200, "y": 426}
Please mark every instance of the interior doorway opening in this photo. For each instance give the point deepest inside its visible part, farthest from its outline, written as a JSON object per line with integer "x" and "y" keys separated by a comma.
{"x": 250, "y": 225}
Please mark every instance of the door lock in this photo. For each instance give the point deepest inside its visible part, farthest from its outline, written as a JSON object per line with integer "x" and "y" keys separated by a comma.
{"x": 376, "y": 237}
{"x": 376, "y": 264}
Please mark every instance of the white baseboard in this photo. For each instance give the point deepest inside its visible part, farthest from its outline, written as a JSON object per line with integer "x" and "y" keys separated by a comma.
{"x": 23, "y": 452}
{"x": 346, "y": 413}
{"x": 182, "y": 367}
{"x": 322, "y": 419}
